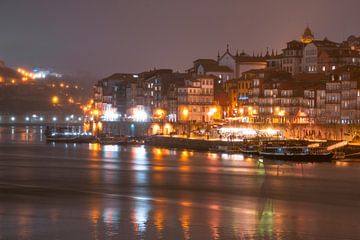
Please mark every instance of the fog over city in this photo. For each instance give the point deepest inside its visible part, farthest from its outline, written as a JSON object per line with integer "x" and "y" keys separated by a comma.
{"x": 97, "y": 38}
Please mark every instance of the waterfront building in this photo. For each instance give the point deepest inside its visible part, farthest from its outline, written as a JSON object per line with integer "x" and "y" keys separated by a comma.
{"x": 161, "y": 93}
{"x": 300, "y": 85}
{"x": 232, "y": 92}
{"x": 196, "y": 100}
{"x": 110, "y": 94}
{"x": 343, "y": 96}
{"x": 237, "y": 92}
{"x": 314, "y": 103}
{"x": 135, "y": 96}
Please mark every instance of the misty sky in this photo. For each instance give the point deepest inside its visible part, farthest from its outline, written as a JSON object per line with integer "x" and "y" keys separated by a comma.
{"x": 105, "y": 36}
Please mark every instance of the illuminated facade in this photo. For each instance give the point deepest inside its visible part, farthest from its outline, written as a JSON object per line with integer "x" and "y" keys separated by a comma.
{"x": 195, "y": 100}
{"x": 343, "y": 96}
{"x": 161, "y": 93}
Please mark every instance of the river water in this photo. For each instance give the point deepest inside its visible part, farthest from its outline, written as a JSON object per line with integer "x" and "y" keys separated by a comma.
{"x": 88, "y": 191}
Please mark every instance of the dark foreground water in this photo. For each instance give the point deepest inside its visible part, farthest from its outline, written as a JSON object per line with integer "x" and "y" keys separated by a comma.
{"x": 69, "y": 191}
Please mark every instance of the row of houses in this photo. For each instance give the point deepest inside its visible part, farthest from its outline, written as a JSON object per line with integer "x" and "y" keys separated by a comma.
{"x": 157, "y": 94}
{"x": 310, "y": 81}
{"x": 277, "y": 97}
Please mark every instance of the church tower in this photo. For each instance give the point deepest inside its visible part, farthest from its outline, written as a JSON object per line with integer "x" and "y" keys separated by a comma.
{"x": 308, "y": 36}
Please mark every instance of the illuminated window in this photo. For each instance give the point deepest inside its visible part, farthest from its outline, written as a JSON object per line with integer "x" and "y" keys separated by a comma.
{"x": 324, "y": 68}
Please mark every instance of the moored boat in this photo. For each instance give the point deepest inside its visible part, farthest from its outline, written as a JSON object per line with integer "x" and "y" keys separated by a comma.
{"x": 300, "y": 154}
{"x": 70, "y": 137}
{"x": 250, "y": 149}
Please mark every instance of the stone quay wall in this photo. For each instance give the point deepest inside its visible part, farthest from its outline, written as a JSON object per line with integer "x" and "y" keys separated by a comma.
{"x": 299, "y": 131}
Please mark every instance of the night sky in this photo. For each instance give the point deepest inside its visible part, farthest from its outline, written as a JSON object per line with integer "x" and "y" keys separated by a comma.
{"x": 100, "y": 37}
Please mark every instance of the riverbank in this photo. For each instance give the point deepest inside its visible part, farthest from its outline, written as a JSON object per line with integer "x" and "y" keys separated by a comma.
{"x": 350, "y": 151}
{"x": 210, "y": 144}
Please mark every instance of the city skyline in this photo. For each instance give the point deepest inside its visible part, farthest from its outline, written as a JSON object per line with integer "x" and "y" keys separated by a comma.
{"x": 123, "y": 36}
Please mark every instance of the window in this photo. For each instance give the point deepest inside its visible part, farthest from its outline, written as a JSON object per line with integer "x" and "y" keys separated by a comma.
{"x": 333, "y": 67}
{"x": 324, "y": 68}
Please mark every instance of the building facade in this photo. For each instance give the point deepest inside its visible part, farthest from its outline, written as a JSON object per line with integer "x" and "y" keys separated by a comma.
{"x": 196, "y": 100}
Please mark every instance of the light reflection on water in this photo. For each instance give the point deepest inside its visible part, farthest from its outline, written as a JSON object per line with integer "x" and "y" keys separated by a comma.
{"x": 137, "y": 192}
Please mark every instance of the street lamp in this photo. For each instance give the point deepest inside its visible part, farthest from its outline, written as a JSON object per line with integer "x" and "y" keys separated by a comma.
{"x": 159, "y": 113}
{"x": 185, "y": 114}
{"x": 55, "y": 100}
{"x": 211, "y": 112}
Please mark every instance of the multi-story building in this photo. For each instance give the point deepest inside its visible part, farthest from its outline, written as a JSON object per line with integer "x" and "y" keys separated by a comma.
{"x": 237, "y": 92}
{"x": 232, "y": 93}
{"x": 195, "y": 100}
{"x": 161, "y": 92}
{"x": 310, "y": 55}
{"x": 292, "y": 57}
{"x": 110, "y": 93}
{"x": 342, "y": 96}
{"x": 326, "y": 56}
{"x": 314, "y": 103}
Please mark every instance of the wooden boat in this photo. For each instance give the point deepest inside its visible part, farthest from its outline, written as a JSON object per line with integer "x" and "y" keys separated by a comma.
{"x": 299, "y": 154}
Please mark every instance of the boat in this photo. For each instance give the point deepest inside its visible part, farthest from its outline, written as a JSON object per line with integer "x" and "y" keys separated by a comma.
{"x": 250, "y": 149}
{"x": 70, "y": 137}
{"x": 300, "y": 154}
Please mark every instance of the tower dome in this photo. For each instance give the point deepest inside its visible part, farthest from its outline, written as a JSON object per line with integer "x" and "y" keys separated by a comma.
{"x": 308, "y": 36}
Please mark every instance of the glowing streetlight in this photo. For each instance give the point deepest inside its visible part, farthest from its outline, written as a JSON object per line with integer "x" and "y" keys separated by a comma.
{"x": 212, "y": 111}
{"x": 55, "y": 100}
{"x": 140, "y": 115}
{"x": 185, "y": 112}
{"x": 159, "y": 113}
{"x": 241, "y": 110}
{"x": 281, "y": 113}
